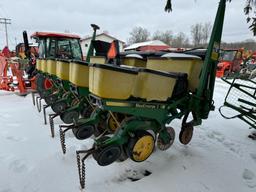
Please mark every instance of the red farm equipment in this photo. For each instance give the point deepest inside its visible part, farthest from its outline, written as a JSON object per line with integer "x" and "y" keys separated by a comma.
{"x": 230, "y": 62}
{"x": 15, "y": 72}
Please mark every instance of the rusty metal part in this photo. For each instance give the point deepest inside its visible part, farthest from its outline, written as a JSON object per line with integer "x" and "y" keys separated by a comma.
{"x": 81, "y": 168}
{"x": 51, "y": 117}
{"x": 186, "y": 133}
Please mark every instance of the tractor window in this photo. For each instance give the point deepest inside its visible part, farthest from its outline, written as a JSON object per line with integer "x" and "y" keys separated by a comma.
{"x": 64, "y": 49}
{"x": 41, "y": 49}
{"x": 229, "y": 55}
{"x": 52, "y": 47}
{"x": 76, "y": 49}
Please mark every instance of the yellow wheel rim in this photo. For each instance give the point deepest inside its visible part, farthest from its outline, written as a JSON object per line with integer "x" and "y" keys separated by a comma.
{"x": 112, "y": 125}
{"x": 143, "y": 148}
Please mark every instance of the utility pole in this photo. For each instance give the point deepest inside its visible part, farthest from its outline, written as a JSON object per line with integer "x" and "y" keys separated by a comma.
{"x": 5, "y": 22}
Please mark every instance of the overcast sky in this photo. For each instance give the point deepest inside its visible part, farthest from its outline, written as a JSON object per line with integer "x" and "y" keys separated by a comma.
{"x": 117, "y": 17}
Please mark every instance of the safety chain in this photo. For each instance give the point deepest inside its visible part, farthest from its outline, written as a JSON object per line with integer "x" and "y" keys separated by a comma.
{"x": 51, "y": 117}
{"x": 62, "y": 136}
{"x": 81, "y": 168}
{"x": 62, "y": 141}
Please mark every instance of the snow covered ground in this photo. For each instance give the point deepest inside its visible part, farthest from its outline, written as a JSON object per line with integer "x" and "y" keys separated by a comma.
{"x": 220, "y": 158}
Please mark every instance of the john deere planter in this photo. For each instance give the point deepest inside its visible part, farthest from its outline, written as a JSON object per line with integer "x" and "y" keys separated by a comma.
{"x": 150, "y": 98}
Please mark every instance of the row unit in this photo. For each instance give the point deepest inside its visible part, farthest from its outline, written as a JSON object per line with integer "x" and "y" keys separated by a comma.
{"x": 152, "y": 79}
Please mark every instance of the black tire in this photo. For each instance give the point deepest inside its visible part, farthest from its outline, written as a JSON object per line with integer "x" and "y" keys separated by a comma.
{"x": 50, "y": 98}
{"x": 82, "y": 132}
{"x": 69, "y": 117}
{"x": 107, "y": 155}
{"x": 59, "y": 107}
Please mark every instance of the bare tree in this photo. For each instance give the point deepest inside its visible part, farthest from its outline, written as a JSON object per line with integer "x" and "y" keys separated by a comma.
{"x": 196, "y": 33}
{"x": 180, "y": 41}
{"x": 200, "y": 33}
{"x": 138, "y": 34}
{"x": 165, "y": 36}
{"x": 249, "y": 44}
{"x": 206, "y": 32}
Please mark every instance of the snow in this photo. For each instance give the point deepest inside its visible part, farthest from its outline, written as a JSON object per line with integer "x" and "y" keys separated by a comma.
{"x": 147, "y": 43}
{"x": 220, "y": 157}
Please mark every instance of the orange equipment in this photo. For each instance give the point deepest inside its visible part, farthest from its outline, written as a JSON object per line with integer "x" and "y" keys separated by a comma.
{"x": 7, "y": 82}
{"x": 230, "y": 62}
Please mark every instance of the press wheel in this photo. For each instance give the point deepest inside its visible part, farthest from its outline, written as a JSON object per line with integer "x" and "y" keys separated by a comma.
{"x": 83, "y": 131}
{"x": 68, "y": 117}
{"x": 141, "y": 146}
{"x": 186, "y": 133}
{"x": 51, "y": 98}
{"x": 60, "y": 106}
{"x": 166, "y": 145}
{"x": 112, "y": 122}
{"x": 107, "y": 155}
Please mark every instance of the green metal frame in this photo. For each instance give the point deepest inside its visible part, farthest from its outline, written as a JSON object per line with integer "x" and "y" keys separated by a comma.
{"x": 154, "y": 115}
{"x": 248, "y": 115}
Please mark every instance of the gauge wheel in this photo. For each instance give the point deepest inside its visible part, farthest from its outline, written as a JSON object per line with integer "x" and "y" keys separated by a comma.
{"x": 161, "y": 144}
{"x": 107, "y": 155}
{"x": 186, "y": 134}
{"x": 69, "y": 117}
{"x": 83, "y": 131}
{"x": 58, "y": 107}
{"x": 141, "y": 146}
{"x": 111, "y": 122}
{"x": 51, "y": 98}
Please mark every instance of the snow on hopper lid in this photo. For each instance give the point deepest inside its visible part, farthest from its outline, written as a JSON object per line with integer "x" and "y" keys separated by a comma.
{"x": 180, "y": 55}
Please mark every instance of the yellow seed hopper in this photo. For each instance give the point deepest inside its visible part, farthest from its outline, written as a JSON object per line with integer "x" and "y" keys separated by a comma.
{"x": 51, "y": 66}
{"x": 79, "y": 73}
{"x": 62, "y": 69}
{"x": 181, "y": 63}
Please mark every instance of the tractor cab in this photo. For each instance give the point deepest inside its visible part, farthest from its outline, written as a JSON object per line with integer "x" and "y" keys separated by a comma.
{"x": 230, "y": 62}
{"x": 58, "y": 45}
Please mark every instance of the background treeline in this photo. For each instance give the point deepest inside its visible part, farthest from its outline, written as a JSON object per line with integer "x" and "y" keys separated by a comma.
{"x": 199, "y": 37}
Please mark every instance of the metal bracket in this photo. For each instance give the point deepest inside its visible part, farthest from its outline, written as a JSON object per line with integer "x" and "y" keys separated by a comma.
{"x": 51, "y": 117}
{"x": 39, "y": 104}
{"x": 33, "y": 98}
{"x": 63, "y": 130}
{"x": 44, "y": 110}
{"x": 81, "y": 164}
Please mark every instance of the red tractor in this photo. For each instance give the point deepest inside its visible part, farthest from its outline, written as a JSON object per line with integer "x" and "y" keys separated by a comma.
{"x": 230, "y": 62}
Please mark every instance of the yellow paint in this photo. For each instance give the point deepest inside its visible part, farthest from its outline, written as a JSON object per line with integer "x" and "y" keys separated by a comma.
{"x": 51, "y": 66}
{"x": 43, "y": 66}
{"x": 62, "y": 70}
{"x": 192, "y": 67}
{"x": 143, "y": 148}
{"x": 131, "y": 61}
{"x": 79, "y": 74}
{"x": 38, "y": 64}
{"x": 117, "y": 104}
{"x": 151, "y": 86}
{"x": 215, "y": 56}
{"x": 111, "y": 84}
{"x": 98, "y": 59}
